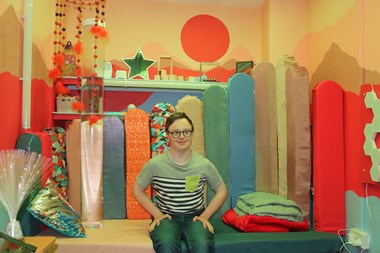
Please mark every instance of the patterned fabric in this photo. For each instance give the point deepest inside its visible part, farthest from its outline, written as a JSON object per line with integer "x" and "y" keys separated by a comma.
{"x": 46, "y": 151}
{"x": 137, "y": 154}
{"x": 158, "y": 115}
{"x": 60, "y": 172}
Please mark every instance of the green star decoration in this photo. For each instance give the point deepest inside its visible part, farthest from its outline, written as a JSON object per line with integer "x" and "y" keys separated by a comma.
{"x": 138, "y": 66}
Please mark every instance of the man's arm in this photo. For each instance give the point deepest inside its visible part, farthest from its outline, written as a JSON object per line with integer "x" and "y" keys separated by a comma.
{"x": 145, "y": 201}
{"x": 216, "y": 202}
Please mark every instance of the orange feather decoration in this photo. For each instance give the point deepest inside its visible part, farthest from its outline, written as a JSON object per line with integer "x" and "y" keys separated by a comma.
{"x": 99, "y": 31}
{"x": 54, "y": 73}
{"x": 103, "y": 33}
{"x": 59, "y": 59}
{"x": 78, "y": 70}
{"x": 61, "y": 89}
{"x": 93, "y": 120}
{"x": 95, "y": 30}
{"x": 78, "y": 47}
{"x": 77, "y": 106}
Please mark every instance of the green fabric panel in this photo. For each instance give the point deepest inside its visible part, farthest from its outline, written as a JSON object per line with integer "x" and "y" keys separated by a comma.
{"x": 114, "y": 168}
{"x": 30, "y": 226}
{"x": 216, "y": 128}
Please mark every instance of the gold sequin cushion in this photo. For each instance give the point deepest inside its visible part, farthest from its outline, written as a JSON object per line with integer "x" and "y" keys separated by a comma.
{"x": 50, "y": 208}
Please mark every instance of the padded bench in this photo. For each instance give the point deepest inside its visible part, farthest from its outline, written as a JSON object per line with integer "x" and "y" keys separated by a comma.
{"x": 120, "y": 236}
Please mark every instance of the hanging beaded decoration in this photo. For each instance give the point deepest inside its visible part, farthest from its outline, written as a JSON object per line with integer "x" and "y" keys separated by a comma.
{"x": 59, "y": 42}
{"x": 97, "y": 31}
{"x": 78, "y": 45}
{"x": 60, "y": 37}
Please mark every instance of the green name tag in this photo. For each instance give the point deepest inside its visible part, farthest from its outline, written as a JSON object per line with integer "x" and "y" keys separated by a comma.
{"x": 192, "y": 183}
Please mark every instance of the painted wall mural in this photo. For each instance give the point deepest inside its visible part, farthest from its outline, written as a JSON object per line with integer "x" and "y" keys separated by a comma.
{"x": 342, "y": 47}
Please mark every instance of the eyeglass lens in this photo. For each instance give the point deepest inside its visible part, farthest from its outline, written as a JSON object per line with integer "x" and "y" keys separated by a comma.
{"x": 177, "y": 134}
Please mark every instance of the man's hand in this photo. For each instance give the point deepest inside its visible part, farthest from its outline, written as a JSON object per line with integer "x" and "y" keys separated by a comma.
{"x": 156, "y": 221}
{"x": 206, "y": 223}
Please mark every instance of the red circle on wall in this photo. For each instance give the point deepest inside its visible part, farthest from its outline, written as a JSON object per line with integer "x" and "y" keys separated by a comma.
{"x": 205, "y": 38}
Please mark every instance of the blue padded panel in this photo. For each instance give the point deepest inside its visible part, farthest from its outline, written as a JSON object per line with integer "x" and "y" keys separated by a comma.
{"x": 242, "y": 135}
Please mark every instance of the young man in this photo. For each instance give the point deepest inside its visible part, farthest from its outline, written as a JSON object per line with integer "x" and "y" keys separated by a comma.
{"x": 178, "y": 176}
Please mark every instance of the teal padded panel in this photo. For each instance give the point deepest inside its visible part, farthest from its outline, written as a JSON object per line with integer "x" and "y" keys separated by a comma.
{"x": 216, "y": 132}
{"x": 114, "y": 206}
{"x": 228, "y": 240}
{"x": 30, "y": 226}
{"x": 242, "y": 135}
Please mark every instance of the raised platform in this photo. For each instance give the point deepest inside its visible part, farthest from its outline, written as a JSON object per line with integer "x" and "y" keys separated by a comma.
{"x": 120, "y": 236}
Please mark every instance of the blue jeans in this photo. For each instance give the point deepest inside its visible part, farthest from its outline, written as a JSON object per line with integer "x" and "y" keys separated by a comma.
{"x": 168, "y": 235}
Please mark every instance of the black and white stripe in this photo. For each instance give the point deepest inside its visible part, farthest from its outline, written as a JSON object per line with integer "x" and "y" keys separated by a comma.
{"x": 171, "y": 196}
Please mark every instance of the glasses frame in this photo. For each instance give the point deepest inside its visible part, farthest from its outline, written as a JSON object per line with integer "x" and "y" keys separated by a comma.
{"x": 181, "y": 133}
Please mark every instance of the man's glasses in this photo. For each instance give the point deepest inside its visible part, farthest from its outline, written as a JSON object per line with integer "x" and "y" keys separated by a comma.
{"x": 177, "y": 134}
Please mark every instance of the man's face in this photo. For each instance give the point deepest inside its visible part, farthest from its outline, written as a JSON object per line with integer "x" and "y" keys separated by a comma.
{"x": 180, "y": 128}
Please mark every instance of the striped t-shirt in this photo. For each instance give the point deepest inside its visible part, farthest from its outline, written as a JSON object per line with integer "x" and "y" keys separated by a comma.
{"x": 179, "y": 188}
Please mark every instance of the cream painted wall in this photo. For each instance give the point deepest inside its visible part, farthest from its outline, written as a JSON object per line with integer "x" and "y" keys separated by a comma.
{"x": 370, "y": 44}
{"x": 330, "y": 22}
{"x": 287, "y": 24}
{"x": 156, "y": 26}
{"x": 43, "y": 25}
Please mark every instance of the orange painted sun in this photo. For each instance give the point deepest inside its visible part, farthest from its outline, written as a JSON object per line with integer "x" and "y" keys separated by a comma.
{"x": 205, "y": 38}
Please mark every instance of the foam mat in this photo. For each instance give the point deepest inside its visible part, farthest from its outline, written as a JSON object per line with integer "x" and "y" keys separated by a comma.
{"x": 217, "y": 142}
{"x": 298, "y": 132}
{"x": 242, "y": 135}
{"x": 328, "y": 157}
{"x": 283, "y": 63}
{"x": 138, "y": 153}
{"x": 266, "y": 128}
{"x": 114, "y": 168}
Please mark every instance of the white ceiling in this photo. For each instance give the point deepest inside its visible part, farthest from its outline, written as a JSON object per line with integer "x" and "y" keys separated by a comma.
{"x": 238, "y": 3}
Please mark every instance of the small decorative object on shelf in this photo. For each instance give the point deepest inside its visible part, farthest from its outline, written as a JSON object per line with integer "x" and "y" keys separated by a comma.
{"x": 244, "y": 67}
{"x": 65, "y": 104}
{"x": 165, "y": 67}
{"x": 209, "y": 72}
{"x": 138, "y": 66}
{"x": 69, "y": 67}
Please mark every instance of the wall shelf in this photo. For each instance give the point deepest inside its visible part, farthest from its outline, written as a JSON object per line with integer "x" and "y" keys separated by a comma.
{"x": 119, "y": 86}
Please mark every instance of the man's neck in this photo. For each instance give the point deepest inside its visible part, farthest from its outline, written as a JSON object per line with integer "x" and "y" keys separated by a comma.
{"x": 180, "y": 158}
